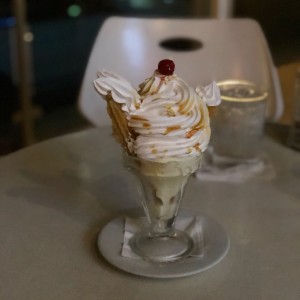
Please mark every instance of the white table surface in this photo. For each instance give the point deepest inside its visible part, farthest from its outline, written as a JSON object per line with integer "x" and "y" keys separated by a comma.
{"x": 55, "y": 197}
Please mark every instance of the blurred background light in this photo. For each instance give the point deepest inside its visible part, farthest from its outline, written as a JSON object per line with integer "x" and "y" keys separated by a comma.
{"x": 141, "y": 4}
{"x": 7, "y": 22}
{"x": 74, "y": 11}
{"x": 168, "y": 1}
{"x": 28, "y": 37}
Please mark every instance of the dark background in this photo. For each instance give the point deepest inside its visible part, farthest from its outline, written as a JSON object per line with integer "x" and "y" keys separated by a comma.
{"x": 62, "y": 44}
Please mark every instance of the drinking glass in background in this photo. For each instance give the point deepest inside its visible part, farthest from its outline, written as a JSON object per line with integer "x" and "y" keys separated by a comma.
{"x": 238, "y": 125}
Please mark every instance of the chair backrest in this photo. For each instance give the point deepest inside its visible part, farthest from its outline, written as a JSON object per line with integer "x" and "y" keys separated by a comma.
{"x": 220, "y": 50}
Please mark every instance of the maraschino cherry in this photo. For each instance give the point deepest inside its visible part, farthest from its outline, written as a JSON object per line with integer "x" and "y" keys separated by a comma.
{"x": 166, "y": 67}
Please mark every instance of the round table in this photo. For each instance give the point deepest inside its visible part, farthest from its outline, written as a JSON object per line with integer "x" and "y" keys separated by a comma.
{"x": 55, "y": 197}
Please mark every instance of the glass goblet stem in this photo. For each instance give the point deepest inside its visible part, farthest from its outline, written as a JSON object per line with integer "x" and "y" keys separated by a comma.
{"x": 162, "y": 186}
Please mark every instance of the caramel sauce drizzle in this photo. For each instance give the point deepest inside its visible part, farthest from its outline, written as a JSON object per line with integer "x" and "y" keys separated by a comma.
{"x": 170, "y": 112}
{"x": 195, "y": 129}
{"x": 197, "y": 147}
{"x": 189, "y": 134}
{"x": 138, "y": 118}
{"x": 132, "y": 134}
{"x": 154, "y": 151}
{"x": 172, "y": 128}
{"x": 182, "y": 106}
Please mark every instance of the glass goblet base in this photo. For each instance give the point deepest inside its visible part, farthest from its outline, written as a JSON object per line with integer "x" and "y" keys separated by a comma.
{"x": 162, "y": 248}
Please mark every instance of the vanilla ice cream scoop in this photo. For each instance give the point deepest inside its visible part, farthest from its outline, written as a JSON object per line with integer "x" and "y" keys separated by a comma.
{"x": 167, "y": 119}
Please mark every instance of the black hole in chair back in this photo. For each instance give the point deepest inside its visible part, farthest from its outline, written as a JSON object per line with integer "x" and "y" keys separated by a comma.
{"x": 181, "y": 44}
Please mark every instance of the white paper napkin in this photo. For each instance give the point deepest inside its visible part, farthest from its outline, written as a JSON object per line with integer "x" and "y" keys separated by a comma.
{"x": 216, "y": 169}
{"x": 191, "y": 225}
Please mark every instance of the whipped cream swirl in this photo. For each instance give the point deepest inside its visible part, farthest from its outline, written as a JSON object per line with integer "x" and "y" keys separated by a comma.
{"x": 169, "y": 119}
{"x": 121, "y": 90}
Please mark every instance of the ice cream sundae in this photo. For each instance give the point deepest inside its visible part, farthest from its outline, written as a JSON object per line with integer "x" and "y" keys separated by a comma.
{"x": 164, "y": 128}
{"x": 165, "y": 119}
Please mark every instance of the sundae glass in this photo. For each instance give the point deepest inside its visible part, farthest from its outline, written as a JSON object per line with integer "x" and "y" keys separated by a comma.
{"x": 164, "y": 129}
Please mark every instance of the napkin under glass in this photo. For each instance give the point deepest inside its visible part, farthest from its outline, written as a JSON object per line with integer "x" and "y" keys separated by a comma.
{"x": 219, "y": 169}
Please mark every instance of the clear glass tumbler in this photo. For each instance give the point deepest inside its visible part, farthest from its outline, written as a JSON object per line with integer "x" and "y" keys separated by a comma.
{"x": 238, "y": 125}
{"x": 162, "y": 186}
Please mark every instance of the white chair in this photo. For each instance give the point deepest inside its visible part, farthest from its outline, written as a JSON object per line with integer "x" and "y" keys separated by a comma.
{"x": 231, "y": 49}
